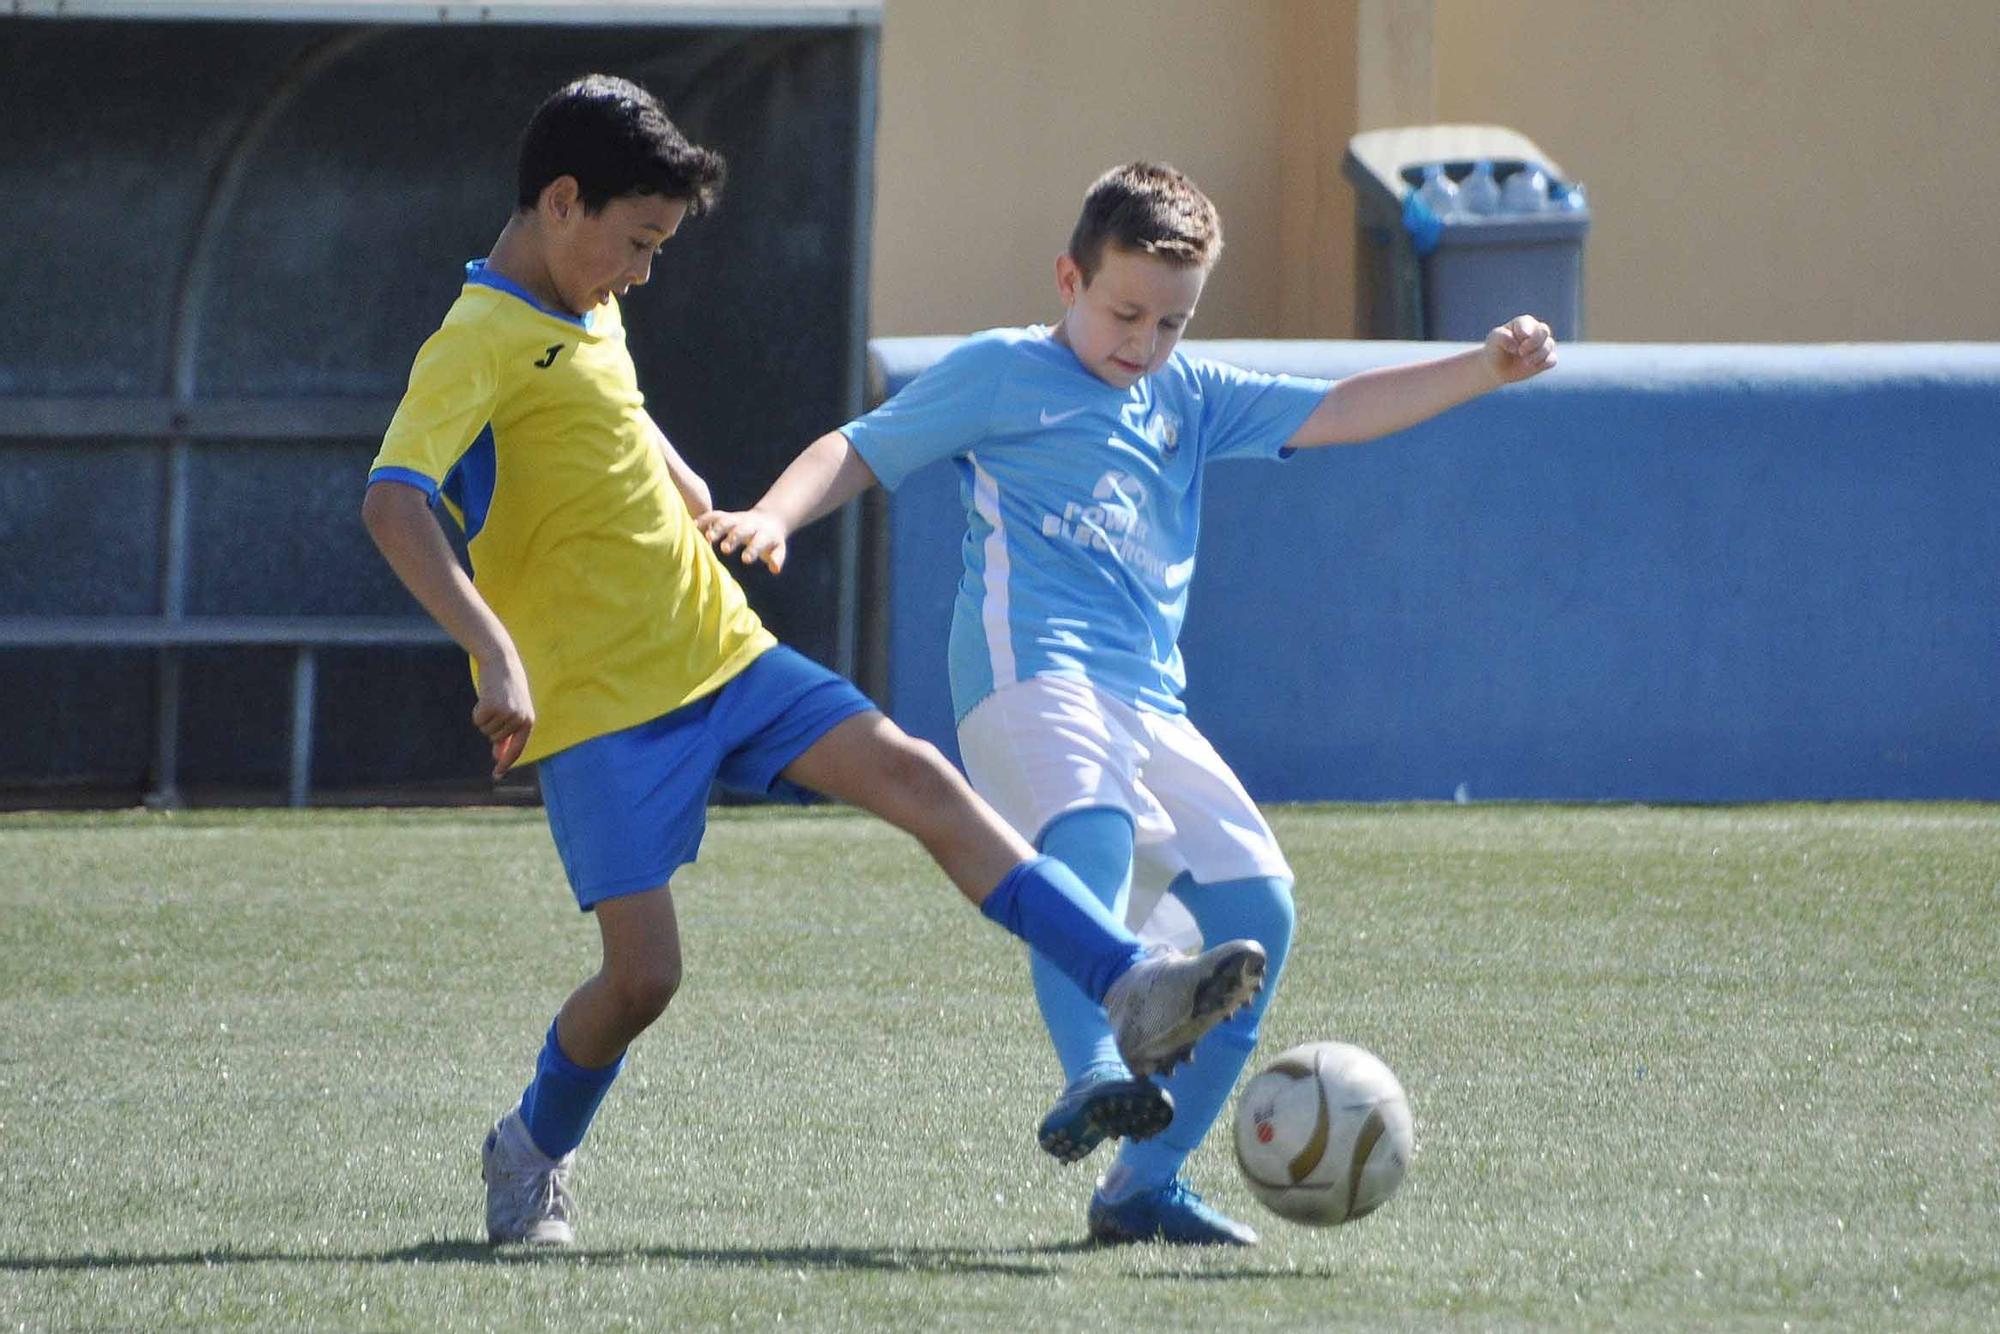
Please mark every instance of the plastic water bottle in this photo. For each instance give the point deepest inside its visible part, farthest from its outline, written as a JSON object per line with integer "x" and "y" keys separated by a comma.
{"x": 1526, "y": 191}
{"x": 1480, "y": 195}
{"x": 1438, "y": 193}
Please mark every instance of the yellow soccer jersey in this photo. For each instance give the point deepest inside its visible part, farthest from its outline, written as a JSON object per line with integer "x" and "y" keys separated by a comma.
{"x": 528, "y": 426}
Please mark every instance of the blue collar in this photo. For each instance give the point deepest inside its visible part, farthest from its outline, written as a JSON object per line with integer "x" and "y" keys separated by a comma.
{"x": 478, "y": 273}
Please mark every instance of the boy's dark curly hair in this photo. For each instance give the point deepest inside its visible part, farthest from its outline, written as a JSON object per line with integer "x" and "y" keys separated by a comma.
{"x": 614, "y": 137}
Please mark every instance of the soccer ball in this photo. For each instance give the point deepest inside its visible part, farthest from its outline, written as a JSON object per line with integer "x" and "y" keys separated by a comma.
{"x": 1323, "y": 1134}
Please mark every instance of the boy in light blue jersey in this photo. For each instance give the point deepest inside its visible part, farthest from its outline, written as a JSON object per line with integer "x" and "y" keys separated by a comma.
{"x": 1080, "y": 448}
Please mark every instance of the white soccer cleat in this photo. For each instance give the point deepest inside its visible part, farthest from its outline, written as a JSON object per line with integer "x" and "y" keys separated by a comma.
{"x": 527, "y": 1192}
{"x": 1168, "y": 1000}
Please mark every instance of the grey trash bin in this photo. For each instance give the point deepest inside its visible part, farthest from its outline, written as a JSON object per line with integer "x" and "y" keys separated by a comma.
{"x": 1453, "y": 278}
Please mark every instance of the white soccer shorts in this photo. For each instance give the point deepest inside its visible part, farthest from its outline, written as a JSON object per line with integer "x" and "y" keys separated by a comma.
{"x": 1040, "y": 748}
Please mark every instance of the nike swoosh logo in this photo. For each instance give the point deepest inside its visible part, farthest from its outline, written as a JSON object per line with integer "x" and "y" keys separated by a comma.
{"x": 1051, "y": 418}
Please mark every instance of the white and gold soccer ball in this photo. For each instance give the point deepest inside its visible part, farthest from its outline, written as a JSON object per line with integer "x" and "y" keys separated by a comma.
{"x": 1323, "y": 1134}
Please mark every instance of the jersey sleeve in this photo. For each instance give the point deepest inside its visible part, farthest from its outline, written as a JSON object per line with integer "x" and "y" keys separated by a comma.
{"x": 1248, "y": 414}
{"x": 450, "y": 398}
{"x": 945, "y": 411}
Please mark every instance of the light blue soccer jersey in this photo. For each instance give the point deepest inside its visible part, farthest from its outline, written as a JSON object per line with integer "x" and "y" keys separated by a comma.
{"x": 1082, "y": 502}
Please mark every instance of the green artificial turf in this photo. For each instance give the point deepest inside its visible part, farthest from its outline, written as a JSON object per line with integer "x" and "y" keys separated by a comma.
{"x": 1675, "y": 1068}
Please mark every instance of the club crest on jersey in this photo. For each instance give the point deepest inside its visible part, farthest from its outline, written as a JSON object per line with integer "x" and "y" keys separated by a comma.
{"x": 1164, "y": 429}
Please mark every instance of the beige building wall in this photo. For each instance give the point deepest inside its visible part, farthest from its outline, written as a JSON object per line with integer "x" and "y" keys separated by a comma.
{"x": 996, "y": 115}
{"x": 1765, "y": 171}
{"x": 1760, "y": 170}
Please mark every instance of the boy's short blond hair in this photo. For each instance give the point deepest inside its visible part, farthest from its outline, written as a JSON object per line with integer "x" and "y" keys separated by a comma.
{"x": 1148, "y": 208}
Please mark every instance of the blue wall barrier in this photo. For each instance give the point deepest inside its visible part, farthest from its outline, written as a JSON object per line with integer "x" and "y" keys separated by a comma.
{"x": 1659, "y": 573}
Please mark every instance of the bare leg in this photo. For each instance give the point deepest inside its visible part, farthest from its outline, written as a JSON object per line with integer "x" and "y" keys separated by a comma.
{"x": 640, "y": 973}
{"x": 869, "y": 762}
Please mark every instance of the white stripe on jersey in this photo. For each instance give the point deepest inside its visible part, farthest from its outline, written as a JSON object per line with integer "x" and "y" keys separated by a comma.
{"x": 993, "y": 608}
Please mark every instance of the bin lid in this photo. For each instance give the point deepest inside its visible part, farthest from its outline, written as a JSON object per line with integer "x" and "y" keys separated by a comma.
{"x": 1385, "y": 153}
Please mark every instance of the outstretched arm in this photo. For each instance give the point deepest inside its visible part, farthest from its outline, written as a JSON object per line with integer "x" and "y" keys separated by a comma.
{"x": 399, "y": 518}
{"x": 819, "y": 481}
{"x": 1374, "y": 403}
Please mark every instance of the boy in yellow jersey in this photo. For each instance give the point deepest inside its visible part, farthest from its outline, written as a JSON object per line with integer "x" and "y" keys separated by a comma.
{"x": 610, "y": 644}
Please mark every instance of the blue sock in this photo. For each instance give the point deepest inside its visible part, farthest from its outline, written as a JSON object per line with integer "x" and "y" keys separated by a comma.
{"x": 559, "y": 1103}
{"x": 1043, "y": 903}
{"x": 1097, "y": 845}
{"x": 1258, "y": 909}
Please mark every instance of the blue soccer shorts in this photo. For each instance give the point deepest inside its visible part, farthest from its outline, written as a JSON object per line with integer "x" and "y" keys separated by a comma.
{"x": 628, "y": 809}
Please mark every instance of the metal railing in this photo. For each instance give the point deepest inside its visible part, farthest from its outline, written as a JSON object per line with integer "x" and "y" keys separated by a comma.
{"x": 180, "y": 426}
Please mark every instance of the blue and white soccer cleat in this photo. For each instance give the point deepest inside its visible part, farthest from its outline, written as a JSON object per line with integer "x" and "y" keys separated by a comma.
{"x": 1101, "y": 1105}
{"x": 1173, "y": 1214}
{"x": 1167, "y": 1001}
{"x": 527, "y": 1192}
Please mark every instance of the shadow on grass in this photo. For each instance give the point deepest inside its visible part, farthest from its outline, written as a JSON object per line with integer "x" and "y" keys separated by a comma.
{"x": 1014, "y": 1261}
